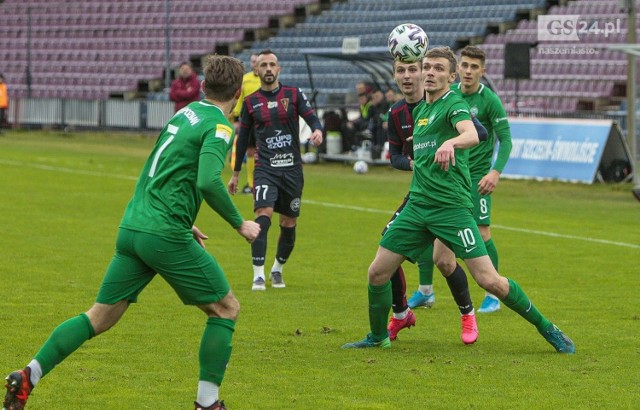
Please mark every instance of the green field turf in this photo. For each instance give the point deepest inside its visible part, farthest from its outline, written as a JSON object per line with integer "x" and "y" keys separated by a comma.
{"x": 573, "y": 248}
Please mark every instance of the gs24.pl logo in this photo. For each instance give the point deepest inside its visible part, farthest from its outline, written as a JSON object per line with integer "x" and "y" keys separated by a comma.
{"x": 571, "y": 27}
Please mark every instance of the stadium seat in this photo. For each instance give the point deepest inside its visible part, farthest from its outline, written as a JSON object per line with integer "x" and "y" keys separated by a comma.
{"x": 566, "y": 74}
{"x": 121, "y": 33}
{"x": 125, "y": 40}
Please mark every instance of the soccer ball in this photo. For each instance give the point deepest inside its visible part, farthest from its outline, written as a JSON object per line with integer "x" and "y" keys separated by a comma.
{"x": 408, "y": 43}
{"x": 361, "y": 167}
{"x": 309, "y": 157}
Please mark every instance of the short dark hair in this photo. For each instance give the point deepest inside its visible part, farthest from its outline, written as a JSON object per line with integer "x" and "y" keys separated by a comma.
{"x": 267, "y": 51}
{"x": 222, "y": 77}
{"x": 474, "y": 52}
{"x": 444, "y": 52}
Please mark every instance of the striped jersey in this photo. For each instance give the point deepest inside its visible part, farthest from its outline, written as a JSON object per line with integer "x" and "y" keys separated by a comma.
{"x": 399, "y": 128}
{"x": 274, "y": 116}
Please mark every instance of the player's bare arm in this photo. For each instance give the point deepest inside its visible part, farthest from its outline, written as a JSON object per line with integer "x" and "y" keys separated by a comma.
{"x": 468, "y": 137}
{"x": 489, "y": 182}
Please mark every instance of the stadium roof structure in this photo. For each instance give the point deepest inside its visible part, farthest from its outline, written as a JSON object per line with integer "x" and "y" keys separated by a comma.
{"x": 375, "y": 61}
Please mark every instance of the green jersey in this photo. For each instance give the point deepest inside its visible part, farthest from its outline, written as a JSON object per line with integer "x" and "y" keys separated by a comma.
{"x": 486, "y": 107}
{"x": 183, "y": 169}
{"x": 435, "y": 123}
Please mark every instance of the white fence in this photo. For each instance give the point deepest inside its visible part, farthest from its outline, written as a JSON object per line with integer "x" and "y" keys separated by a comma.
{"x": 61, "y": 113}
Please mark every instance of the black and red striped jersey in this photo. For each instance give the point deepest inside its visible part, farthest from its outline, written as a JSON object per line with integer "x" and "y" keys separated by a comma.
{"x": 399, "y": 128}
{"x": 274, "y": 116}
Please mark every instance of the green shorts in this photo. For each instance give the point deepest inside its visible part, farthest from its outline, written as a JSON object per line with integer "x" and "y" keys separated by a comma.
{"x": 415, "y": 229}
{"x": 481, "y": 205}
{"x": 192, "y": 272}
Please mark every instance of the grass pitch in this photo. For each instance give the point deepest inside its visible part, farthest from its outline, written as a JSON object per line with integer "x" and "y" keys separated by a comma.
{"x": 573, "y": 248}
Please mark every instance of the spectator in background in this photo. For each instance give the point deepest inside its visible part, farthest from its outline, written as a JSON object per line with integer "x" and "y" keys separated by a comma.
{"x": 377, "y": 125}
{"x": 392, "y": 96}
{"x": 336, "y": 121}
{"x": 360, "y": 124}
{"x": 4, "y": 101}
{"x": 363, "y": 88}
{"x": 250, "y": 84}
{"x": 186, "y": 88}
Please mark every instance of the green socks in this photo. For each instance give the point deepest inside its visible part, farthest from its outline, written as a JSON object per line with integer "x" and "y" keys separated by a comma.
{"x": 379, "y": 306}
{"x": 63, "y": 341}
{"x": 215, "y": 349}
{"x": 425, "y": 267}
{"x": 520, "y": 303}
{"x": 493, "y": 252}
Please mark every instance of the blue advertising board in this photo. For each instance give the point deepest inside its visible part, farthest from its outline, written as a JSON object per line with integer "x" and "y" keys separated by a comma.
{"x": 561, "y": 149}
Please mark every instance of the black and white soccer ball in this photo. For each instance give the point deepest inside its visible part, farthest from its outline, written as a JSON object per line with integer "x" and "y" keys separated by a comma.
{"x": 408, "y": 43}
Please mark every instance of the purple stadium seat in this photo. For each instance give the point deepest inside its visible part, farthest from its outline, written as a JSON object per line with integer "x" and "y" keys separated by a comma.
{"x": 556, "y": 76}
{"x": 124, "y": 40}
{"x": 121, "y": 41}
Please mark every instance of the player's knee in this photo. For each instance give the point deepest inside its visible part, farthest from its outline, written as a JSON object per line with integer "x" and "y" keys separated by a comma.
{"x": 103, "y": 316}
{"x": 288, "y": 221}
{"x": 265, "y": 224}
{"x": 446, "y": 266}
{"x": 377, "y": 276}
{"x": 226, "y": 308}
{"x": 233, "y": 313}
{"x": 230, "y": 308}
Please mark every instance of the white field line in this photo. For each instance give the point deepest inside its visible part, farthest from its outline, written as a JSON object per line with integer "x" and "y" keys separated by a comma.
{"x": 507, "y": 228}
{"x": 327, "y": 204}
{"x": 66, "y": 170}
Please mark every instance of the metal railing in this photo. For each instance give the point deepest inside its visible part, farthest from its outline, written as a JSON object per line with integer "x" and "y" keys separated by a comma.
{"x": 63, "y": 113}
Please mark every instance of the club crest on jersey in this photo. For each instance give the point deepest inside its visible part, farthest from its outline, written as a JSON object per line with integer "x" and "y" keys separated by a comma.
{"x": 422, "y": 122}
{"x": 285, "y": 103}
{"x": 223, "y": 132}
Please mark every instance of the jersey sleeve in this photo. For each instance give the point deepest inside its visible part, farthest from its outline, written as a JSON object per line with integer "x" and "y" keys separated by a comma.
{"x": 458, "y": 111}
{"x": 306, "y": 112}
{"x": 398, "y": 159}
{"x": 210, "y": 166}
{"x": 482, "y": 131}
{"x": 503, "y": 133}
{"x": 242, "y": 143}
